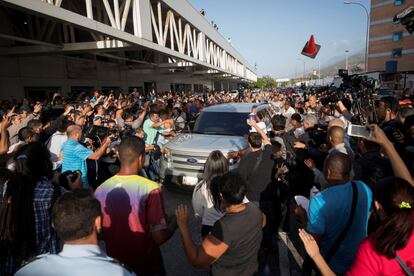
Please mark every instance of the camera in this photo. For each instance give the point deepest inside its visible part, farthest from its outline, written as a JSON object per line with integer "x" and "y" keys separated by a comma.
{"x": 67, "y": 176}
{"x": 97, "y": 134}
{"x": 331, "y": 96}
{"x": 72, "y": 175}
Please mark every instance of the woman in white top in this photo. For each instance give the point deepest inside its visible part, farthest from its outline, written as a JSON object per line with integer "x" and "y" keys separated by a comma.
{"x": 216, "y": 165}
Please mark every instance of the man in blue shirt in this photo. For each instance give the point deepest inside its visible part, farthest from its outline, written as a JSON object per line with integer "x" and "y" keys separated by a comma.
{"x": 74, "y": 154}
{"x": 77, "y": 220}
{"x": 330, "y": 210}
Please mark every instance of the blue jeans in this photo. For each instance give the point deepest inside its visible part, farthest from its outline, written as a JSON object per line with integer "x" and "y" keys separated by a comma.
{"x": 153, "y": 169}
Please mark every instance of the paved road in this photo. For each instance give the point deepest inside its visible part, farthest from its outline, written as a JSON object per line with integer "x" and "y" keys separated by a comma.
{"x": 285, "y": 260}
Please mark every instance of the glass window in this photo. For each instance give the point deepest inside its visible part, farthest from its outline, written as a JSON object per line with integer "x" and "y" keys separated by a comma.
{"x": 222, "y": 123}
{"x": 396, "y": 53}
{"x": 398, "y": 2}
{"x": 397, "y": 36}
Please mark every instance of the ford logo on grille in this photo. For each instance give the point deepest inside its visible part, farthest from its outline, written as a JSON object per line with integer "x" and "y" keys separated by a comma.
{"x": 192, "y": 161}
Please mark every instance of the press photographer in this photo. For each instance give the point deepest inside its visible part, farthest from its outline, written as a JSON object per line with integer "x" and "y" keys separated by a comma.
{"x": 354, "y": 99}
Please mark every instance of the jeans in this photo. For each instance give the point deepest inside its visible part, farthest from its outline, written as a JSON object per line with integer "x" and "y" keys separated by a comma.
{"x": 153, "y": 169}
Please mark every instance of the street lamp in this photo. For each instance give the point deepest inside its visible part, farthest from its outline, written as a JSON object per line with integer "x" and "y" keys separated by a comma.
{"x": 367, "y": 33}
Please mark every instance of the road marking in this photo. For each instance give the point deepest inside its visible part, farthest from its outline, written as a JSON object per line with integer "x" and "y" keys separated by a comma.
{"x": 288, "y": 244}
{"x": 284, "y": 263}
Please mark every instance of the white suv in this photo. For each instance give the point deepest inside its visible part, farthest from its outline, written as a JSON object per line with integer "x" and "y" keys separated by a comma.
{"x": 220, "y": 127}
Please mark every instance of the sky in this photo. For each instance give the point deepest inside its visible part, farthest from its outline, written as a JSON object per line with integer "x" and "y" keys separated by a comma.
{"x": 272, "y": 33}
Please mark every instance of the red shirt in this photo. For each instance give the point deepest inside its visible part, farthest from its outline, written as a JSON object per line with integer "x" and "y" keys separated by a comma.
{"x": 369, "y": 262}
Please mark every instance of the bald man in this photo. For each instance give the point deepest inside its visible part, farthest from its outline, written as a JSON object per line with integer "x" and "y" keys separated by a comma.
{"x": 74, "y": 154}
{"x": 336, "y": 122}
{"x": 330, "y": 211}
{"x": 336, "y": 136}
{"x": 312, "y": 106}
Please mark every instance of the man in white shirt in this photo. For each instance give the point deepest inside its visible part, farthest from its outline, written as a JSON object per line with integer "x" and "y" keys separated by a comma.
{"x": 55, "y": 142}
{"x": 179, "y": 120}
{"x": 287, "y": 111}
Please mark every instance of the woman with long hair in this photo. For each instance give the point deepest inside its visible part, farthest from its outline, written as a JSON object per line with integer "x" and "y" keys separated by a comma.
{"x": 390, "y": 249}
{"x": 25, "y": 227}
{"x": 216, "y": 165}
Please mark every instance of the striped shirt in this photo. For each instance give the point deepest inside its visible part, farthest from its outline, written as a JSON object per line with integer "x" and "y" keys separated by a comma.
{"x": 47, "y": 241}
{"x": 74, "y": 157}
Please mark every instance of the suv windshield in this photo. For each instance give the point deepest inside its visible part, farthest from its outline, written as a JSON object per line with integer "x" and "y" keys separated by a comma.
{"x": 222, "y": 123}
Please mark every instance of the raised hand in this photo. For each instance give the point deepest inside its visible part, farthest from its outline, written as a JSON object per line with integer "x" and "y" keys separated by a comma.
{"x": 311, "y": 246}
{"x": 310, "y": 163}
{"x": 182, "y": 216}
{"x": 37, "y": 108}
{"x": 378, "y": 136}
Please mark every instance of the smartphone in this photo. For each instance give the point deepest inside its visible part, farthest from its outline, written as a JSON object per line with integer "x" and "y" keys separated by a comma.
{"x": 252, "y": 117}
{"x": 359, "y": 131}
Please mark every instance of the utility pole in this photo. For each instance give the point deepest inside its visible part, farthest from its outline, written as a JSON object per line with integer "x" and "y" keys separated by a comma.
{"x": 346, "y": 59}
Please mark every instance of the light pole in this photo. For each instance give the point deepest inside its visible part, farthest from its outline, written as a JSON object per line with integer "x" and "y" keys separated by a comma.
{"x": 346, "y": 59}
{"x": 367, "y": 32}
{"x": 319, "y": 70}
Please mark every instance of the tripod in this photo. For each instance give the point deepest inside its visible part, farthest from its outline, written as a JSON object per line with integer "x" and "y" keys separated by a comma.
{"x": 364, "y": 106}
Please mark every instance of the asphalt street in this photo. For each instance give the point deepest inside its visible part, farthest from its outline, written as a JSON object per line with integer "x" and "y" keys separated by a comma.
{"x": 286, "y": 259}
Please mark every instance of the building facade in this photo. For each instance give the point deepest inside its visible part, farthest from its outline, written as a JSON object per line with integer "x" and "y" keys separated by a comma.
{"x": 75, "y": 46}
{"x": 391, "y": 47}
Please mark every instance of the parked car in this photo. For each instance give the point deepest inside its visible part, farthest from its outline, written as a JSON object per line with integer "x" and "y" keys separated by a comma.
{"x": 220, "y": 127}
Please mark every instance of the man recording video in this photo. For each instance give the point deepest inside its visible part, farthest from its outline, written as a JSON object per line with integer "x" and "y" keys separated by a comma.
{"x": 74, "y": 154}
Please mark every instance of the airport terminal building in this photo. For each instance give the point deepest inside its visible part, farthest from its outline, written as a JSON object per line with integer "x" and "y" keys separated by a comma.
{"x": 80, "y": 45}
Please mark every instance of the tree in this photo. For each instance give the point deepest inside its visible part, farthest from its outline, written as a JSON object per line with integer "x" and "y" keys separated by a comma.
{"x": 263, "y": 82}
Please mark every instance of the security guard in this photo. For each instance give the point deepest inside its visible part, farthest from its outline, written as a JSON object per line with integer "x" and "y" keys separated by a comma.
{"x": 76, "y": 218}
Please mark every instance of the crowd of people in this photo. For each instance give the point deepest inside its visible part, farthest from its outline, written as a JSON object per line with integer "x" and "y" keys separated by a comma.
{"x": 80, "y": 189}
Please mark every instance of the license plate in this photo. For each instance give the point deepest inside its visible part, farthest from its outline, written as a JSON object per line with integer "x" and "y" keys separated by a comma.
{"x": 190, "y": 180}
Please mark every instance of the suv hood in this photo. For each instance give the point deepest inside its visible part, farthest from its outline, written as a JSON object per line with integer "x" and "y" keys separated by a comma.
{"x": 207, "y": 143}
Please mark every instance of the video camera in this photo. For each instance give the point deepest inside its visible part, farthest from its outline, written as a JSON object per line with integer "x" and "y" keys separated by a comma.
{"x": 406, "y": 18}
{"x": 97, "y": 134}
{"x": 355, "y": 85}
{"x": 330, "y": 96}
{"x": 66, "y": 176}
